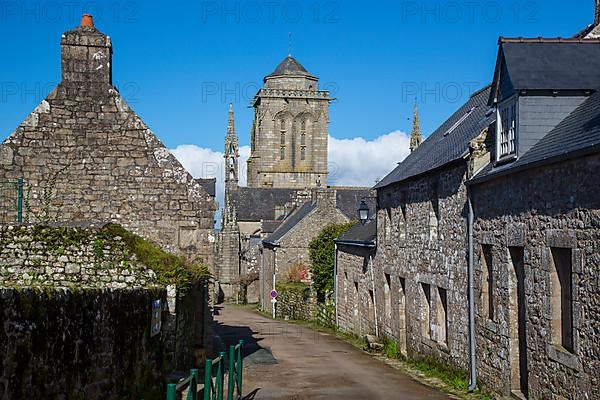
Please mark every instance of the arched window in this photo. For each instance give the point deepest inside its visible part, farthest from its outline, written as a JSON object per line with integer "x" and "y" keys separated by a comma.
{"x": 303, "y": 126}
{"x": 282, "y": 125}
{"x": 303, "y": 139}
{"x": 303, "y": 153}
{"x": 282, "y": 141}
{"x": 282, "y": 153}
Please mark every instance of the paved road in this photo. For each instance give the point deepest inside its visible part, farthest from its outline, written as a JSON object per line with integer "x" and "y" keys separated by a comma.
{"x": 290, "y": 362}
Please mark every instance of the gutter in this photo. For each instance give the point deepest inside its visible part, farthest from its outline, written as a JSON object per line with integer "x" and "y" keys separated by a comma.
{"x": 356, "y": 243}
{"x": 471, "y": 301}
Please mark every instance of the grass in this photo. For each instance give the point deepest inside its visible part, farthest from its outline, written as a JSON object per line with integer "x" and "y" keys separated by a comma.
{"x": 168, "y": 267}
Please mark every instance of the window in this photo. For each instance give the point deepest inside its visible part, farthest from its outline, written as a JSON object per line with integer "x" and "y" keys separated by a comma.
{"x": 282, "y": 125}
{"x": 388, "y": 298}
{"x": 562, "y": 300}
{"x": 303, "y": 153}
{"x": 303, "y": 139}
{"x": 506, "y": 129}
{"x": 282, "y": 153}
{"x": 487, "y": 282}
{"x": 303, "y": 126}
{"x": 441, "y": 317}
{"x": 425, "y": 310}
{"x": 282, "y": 139}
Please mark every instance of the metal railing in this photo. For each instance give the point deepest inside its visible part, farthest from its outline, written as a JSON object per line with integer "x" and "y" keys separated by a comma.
{"x": 213, "y": 386}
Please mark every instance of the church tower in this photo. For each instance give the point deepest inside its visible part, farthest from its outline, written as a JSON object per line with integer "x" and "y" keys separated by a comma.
{"x": 415, "y": 137}
{"x": 290, "y": 131}
{"x": 231, "y": 155}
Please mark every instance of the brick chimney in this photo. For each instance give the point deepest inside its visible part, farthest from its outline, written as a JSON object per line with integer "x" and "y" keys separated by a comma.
{"x": 86, "y": 54}
{"x": 326, "y": 197}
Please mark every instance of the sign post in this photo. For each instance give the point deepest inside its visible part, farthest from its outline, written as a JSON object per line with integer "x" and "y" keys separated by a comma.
{"x": 274, "y": 295}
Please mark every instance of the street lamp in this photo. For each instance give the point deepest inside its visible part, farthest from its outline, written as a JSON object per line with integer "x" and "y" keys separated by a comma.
{"x": 363, "y": 212}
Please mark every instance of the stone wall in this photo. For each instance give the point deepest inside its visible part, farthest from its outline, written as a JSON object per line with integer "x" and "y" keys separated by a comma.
{"x": 354, "y": 301}
{"x": 421, "y": 265}
{"x": 533, "y": 213}
{"x": 294, "y": 301}
{"x": 80, "y": 344}
{"x": 65, "y": 257}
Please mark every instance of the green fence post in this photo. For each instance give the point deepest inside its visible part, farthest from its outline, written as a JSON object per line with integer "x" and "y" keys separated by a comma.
{"x": 220, "y": 373}
{"x": 231, "y": 377}
{"x": 193, "y": 384}
{"x": 240, "y": 369}
{"x": 207, "y": 378}
{"x": 20, "y": 201}
{"x": 171, "y": 391}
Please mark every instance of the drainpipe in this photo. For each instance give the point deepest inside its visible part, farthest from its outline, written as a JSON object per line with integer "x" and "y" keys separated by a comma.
{"x": 274, "y": 270}
{"x": 335, "y": 282}
{"x": 472, "y": 367}
{"x": 374, "y": 295}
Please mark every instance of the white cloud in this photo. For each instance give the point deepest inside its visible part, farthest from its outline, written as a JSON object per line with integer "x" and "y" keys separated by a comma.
{"x": 352, "y": 162}
{"x": 360, "y": 162}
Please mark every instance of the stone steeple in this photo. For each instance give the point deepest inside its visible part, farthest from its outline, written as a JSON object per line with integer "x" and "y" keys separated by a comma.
{"x": 415, "y": 136}
{"x": 231, "y": 156}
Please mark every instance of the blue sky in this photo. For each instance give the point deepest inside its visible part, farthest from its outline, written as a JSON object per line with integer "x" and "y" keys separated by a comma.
{"x": 180, "y": 63}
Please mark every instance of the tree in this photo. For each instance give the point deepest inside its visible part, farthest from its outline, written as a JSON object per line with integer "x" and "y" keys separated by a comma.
{"x": 321, "y": 256}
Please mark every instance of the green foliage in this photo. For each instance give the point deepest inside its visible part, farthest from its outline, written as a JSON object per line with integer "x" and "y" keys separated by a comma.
{"x": 98, "y": 246}
{"x": 168, "y": 267}
{"x": 453, "y": 377}
{"x": 321, "y": 256}
{"x": 390, "y": 348}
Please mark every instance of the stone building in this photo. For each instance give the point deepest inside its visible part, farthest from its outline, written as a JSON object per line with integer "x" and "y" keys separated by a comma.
{"x": 285, "y": 251}
{"x": 290, "y": 130}
{"x": 86, "y": 156}
{"x": 536, "y": 233}
{"x": 288, "y": 162}
{"x": 355, "y": 281}
{"x": 413, "y": 288}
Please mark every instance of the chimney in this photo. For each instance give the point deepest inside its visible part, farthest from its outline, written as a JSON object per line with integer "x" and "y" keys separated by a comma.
{"x": 597, "y": 12}
{"x": 86, "y": 54}
{"x": 326, "y": 197}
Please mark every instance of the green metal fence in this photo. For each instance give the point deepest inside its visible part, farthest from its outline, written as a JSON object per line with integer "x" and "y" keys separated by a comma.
{"x": 214, "y": 376}
{"x": 11, "y": 201}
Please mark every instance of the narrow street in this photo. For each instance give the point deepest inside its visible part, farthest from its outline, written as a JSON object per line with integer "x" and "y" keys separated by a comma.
{"x": 289, "y": 361}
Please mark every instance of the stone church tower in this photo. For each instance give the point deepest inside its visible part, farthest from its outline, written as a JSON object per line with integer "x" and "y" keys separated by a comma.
{"x": 229, "y": 240}
{"x": 290, "y": 130}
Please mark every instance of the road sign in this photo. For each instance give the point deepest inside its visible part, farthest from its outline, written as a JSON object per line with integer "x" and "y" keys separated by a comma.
{"x": 274, "y": 294}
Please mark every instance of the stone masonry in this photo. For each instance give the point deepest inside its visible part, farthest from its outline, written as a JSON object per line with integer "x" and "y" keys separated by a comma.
{"x": 86, "y": 156}
{"x": 521, "y": 223}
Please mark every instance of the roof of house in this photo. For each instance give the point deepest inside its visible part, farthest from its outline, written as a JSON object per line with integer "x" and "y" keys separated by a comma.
{"x": 255, "y": 204}
{"x": 578, "y": 132}
{"x": 290, "y": 222}
{"x": 448, "y": 143}
{"x": 291, "y": 67}
{"x": 551, "y": 64}
{"x": 348, "y": 200}
{"x": 359, "y": 234}
{"x": 209, "y": 185}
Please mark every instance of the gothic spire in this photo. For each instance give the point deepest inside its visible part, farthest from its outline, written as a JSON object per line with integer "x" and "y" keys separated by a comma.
{"x": 231, "y": 156}
{"x": 415, "y": 136}
{"x": 230, "y": 122}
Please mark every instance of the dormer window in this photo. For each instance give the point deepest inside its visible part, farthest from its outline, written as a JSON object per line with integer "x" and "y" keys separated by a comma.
{"x": 506, "y": 129}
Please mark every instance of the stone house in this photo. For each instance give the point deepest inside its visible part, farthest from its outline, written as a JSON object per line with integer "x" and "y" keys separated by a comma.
{"x": 86, "y": 156}
{"x": 536, "y": 233}
{"x": 420, "y": 269}
{"x": 355, "y": 281}
{"x": 286, "y": 249}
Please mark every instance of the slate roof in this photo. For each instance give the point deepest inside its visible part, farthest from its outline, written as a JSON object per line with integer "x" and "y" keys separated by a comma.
{"x": 255, "y": 204}
{"x": 450, "y": 142}
{"x": 552, "y": 64}
{"x": 290, "y": 222}
{"x": 209, "y": 185}
{"x": 291, "y": 67}
{"x": 577, "y": 133}
{"x": 348, "y": 200}
{"x": 359, "y": 234}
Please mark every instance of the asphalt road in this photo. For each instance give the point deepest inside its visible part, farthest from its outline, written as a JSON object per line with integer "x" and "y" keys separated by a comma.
{"x": 286, "y": 361}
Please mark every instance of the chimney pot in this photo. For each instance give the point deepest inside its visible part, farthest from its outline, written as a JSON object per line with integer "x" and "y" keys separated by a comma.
{"x": 87, "y": 20}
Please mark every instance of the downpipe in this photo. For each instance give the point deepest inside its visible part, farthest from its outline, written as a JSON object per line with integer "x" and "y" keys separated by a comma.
{"x": 335, "y": 283}
{"x": 471, "y": 303}
{"x": 374, "y": 295}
